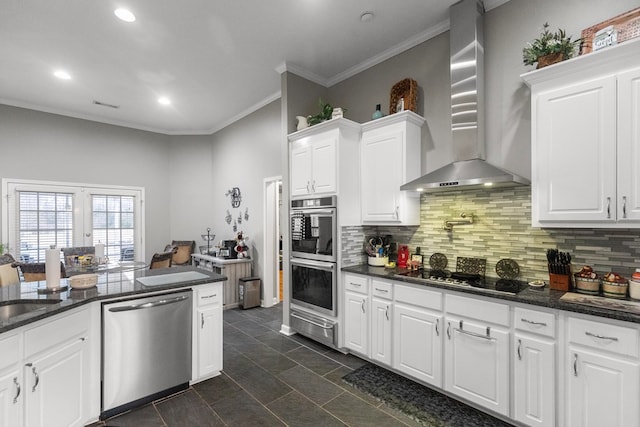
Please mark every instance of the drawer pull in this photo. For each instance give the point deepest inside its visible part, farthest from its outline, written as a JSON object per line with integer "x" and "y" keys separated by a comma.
{"x": 355, "y": 284}
{"x": 209, "y": 296}
{"x": 17, "y": 384}
{"x": 382, "y": 290}
{"x": 531, "y": 322}
{"x": 601, "y": 337}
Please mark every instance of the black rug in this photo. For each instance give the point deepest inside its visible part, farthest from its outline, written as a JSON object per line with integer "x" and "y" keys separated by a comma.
{"x": 422, "y": 404}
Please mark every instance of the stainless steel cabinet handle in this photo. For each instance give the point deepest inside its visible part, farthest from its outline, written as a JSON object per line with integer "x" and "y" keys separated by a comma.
{"x": 449, "y": 330}
{"x": 362, "y": 306}
{"x": 397, "y": 212}
{"x": 313, "y": 186}
{"x": 308, "y": 189}
{"x": 487, "y": 336}
{"x": 437, "y": 331}
{"x": 355, "y": 284}
{"x": 201, "y": 320}
{"x": 36, "y": 376}
{"x": 519, "y": 346}
{"x": 531, "y": 322}
{"x": 17, "y": 384}
{"x": 382, "y": 290}
{"x": 624, "y": 206}
{"x": 386, "y": 313}
{"x": 608, "y": 207}
{"x": 575, "y": 364}
{"x": 601, "y": 337}
{"x": 209, "y": 296}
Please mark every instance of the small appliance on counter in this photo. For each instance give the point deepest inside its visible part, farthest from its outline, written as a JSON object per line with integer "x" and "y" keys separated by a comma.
{"x": 403, "y": 256}
{"x": 227, "y": 250}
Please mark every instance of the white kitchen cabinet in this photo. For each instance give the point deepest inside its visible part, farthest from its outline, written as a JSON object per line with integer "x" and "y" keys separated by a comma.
{"x": 417, "y": 333}
{"x": 477, "y": 352}
{"x": 320, "y": 155}
{"x": 534, "y": 370}
{"x": 207, "y": 331}
{"x": 381, "y": 320}
{"x": 585, "y": 138}
{"x": 11, "y": 382}
{"x": 356, "y": 314}
{"x": 390, "y": 157}
{"x": 57, "y": 371}
{"x": 602, "y": 375}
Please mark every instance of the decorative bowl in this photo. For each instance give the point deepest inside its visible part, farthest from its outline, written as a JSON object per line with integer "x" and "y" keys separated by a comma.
{"x": 585, "y": 285}
{"x": 378, "y": 261}
{"x": 83, "y": 281}
{"x": 614, "y": 289}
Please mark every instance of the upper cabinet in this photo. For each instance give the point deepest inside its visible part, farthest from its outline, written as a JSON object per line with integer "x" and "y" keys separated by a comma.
{"x": 389, "y": 157}
{"x": 585, "y": 141}
{"x": 320, "y": 159}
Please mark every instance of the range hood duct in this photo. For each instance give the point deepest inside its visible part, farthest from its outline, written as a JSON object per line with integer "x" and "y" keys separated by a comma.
{"x": 469, "y": 169}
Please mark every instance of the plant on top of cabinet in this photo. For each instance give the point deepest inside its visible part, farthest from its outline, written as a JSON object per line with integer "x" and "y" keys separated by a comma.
{"x": 549, "y": 48}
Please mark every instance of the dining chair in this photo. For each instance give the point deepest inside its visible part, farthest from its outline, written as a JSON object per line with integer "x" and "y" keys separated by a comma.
{"x": 182, "y": 250}
{"x": 8, "y": 273}
{"x": 35, "y": 271}
{"x": 161, "y": 260}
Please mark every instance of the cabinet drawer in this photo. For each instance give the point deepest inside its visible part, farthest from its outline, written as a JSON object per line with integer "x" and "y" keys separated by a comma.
{"x": 208, "y": 294}
{"x": 356, "y": 283}
{"x": 603, "y": 336}
{"x": 420, "y": 297}
{"x": 536, "y": 322}
{"x": 9, "y": 351}
{"x": 56, "y": 331}
{"x": 478, "y": 309}
{"x": 381, "y": 289}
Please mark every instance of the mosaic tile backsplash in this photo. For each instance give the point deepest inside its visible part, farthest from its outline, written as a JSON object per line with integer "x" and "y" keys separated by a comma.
{"x": 501, "y": 229}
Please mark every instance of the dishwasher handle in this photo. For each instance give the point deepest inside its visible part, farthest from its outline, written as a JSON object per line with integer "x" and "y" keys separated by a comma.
{"x": 148, "y": 304}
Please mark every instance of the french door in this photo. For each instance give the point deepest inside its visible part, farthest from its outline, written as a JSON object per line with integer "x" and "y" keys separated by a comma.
{"x": 40, "y": 214}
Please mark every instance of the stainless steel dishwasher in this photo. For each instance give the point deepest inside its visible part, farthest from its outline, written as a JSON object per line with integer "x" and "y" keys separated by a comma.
{"x": 146, "y": 350}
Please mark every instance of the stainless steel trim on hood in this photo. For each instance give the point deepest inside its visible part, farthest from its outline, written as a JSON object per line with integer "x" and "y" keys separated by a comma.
{"x": 469, "y": 169}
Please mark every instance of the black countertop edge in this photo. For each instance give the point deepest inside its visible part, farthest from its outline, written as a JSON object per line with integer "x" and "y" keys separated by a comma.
{"x": 73, "y": 298}
{"x": 544, "y": 297}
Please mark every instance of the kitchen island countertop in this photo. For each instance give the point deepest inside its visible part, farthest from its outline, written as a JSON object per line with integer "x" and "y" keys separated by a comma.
{"x": 543, "y": 297}
{"x": 118, "y": 284}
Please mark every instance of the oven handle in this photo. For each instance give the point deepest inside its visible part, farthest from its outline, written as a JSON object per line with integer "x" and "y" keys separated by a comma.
{"x": 331, "y": 211}
{"x": 293, "y": 314}
{"x": 329, "y": 266}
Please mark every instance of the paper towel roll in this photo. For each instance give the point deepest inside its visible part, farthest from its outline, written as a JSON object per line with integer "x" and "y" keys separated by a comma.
{"x": 99, "y": 252}
{"x": 52, "y": 268}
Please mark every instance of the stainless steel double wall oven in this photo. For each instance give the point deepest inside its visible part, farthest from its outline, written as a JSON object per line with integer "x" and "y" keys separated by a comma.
{"x": 313, "y": 268}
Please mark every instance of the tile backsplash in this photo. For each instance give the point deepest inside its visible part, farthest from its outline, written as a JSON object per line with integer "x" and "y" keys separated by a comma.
{"x": 501, "y": 229}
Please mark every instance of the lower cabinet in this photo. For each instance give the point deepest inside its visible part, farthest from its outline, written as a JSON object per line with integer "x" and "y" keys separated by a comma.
{"x": 602, "y": 375}
{"x": 11, "y": 383}
{"x": 207, "y": 331}
{"x": 356, "y": 323}
{"x": 381, "y": 319}
{"x": 417, "y": 334}
{"x": 477, "y": 352}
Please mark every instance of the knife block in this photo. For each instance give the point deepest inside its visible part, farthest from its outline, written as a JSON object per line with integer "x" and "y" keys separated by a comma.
{"x": 559, "y": 282}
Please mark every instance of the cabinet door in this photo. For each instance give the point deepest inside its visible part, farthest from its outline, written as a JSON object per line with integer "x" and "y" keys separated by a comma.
{"x": 323, "y": 165}
{"x": 417, "y": 343}
{"x": 382, "y": 175}
{"x": 300, "y": 175}
{"x": 55, "y": 387}
{"x": 381, "y": 330}
{"x": 209, "y": 336}
{"x": 602, "y": 390}
{"x": 11, "y": 397}
{"x": 629, "y": 145}
{"x": 534, "y": 376}
{"x": 356, "y": 327}
{"x": 574, "y": 153}
{"x": 477, "y": 364}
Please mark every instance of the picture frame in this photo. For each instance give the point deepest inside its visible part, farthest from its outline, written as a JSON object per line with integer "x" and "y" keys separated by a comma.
{"x": 623, "y": 27}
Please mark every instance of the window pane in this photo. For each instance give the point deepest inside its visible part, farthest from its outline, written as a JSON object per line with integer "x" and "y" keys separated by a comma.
{"x": 114, "y": 225}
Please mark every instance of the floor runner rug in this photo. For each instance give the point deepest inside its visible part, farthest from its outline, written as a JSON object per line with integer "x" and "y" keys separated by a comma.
{"x": 422, "y": 404}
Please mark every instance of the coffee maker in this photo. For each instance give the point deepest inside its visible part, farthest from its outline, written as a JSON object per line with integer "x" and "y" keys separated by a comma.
{"x": 227, "y": 249}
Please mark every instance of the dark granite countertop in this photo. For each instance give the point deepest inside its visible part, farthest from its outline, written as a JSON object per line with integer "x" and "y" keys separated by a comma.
{"x": 116, "y": 283}
{"x": 543, "y": 297}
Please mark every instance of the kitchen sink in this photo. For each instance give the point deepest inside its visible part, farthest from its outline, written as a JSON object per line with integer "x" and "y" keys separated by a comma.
{"x": 16, "y": 308}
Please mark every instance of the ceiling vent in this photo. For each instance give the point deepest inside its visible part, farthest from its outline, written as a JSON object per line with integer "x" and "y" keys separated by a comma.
{"x": 104, "y": 104}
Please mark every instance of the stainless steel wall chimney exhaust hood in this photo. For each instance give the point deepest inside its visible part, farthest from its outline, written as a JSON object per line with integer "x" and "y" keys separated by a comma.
{"x": 469, "y": 169}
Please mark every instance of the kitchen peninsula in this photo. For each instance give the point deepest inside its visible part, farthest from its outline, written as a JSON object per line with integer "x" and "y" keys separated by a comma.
{"x": 50, "y": 355}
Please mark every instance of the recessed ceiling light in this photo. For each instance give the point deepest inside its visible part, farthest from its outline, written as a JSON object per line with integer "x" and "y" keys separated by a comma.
{"x": 164, "y": 100}
{"x": 62, "y": 75}
{"x": 125, "y": 15}
{"x": 366, "y": 17}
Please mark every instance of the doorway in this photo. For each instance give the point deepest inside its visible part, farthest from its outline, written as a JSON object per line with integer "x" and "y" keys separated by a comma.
{"x": 272, "y": 250}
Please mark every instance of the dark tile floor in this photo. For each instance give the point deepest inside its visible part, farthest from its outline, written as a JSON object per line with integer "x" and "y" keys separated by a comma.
{"x": 269, "y": 379}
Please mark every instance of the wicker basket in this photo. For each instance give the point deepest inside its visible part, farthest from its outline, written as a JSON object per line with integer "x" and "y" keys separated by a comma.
{"x": 549, "y": 59}
{"x": 626, "y": 24}
{"x": 83, "y": 281}
{"x": 406, "y": 89}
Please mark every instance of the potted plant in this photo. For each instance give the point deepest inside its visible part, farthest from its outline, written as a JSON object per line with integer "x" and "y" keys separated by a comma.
{"x": 549, "y": 48}
{"x": 325, "y": 113}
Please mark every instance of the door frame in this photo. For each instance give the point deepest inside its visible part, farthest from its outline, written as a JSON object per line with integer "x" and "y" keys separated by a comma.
{"x": 271, "y": 242}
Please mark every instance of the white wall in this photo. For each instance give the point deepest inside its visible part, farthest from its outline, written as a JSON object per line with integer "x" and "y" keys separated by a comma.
{"x": 42, "y": 146}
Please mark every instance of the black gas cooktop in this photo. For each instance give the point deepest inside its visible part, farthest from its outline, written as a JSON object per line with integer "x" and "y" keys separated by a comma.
{"x": 477, "y": 281}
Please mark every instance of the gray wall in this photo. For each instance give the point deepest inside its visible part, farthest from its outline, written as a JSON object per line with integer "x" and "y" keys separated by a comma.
{"x": 49, "y": 147}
